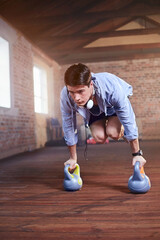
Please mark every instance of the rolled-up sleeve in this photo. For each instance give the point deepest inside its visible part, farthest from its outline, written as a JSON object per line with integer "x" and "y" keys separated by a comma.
{"x": 124, "y": 112}
{"x": 68, "y": 120}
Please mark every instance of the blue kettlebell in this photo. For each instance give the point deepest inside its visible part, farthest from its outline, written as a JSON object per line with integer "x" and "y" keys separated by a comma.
{"x": 139, "y": 182}
{"x": 72, "y": 181}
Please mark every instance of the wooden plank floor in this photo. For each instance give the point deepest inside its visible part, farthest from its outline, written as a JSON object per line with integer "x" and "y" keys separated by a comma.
{"x": 33, "y": 204}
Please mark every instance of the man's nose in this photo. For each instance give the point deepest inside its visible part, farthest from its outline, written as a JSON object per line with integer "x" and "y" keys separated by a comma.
{"x": 76, "y": 97}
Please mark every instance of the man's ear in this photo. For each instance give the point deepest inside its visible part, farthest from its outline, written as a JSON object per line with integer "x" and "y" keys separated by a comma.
{"x": 92, "y": 87}
{"x": 91, "y": 83}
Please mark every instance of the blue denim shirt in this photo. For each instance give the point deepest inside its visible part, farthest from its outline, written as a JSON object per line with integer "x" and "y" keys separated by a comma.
{"x": 112, "y": 95}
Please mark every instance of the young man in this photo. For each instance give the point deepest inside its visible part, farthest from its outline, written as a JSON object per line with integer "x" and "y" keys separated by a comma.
{"x": 103, "y": 101}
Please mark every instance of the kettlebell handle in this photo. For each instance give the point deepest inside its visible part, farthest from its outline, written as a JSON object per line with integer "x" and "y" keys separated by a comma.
{"x": 136, "y": 166}
{"x": 69, "y": 175}
{"x": 138, "y": 173}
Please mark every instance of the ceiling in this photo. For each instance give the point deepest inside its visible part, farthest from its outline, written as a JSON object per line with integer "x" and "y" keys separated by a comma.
{"x": 88, "y": 30}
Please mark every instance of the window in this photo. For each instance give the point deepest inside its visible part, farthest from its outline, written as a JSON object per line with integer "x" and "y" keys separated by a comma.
{"x": 40, "y": 90}
{"x": 5, "y": 95}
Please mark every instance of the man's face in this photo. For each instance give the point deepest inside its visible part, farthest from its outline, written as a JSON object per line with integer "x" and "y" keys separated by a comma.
{"x": 80, "y": 93}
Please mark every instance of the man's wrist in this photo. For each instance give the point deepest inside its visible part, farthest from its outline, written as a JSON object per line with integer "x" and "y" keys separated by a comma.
{"x": 73, "y": 156}
{"x": 74, "y": 159}
{"x": 138, "y": 153}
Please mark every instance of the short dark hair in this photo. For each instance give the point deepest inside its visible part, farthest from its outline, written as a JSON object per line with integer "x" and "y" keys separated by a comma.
{"x": 77, "y": 74}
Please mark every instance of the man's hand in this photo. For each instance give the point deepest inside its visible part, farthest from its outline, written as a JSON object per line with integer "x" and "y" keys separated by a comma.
{"x": 138, "y": 159}
{"x": 71, "y": 162}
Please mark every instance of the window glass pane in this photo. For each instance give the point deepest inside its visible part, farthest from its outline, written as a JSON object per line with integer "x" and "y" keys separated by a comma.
{"x": 37, "y": 85}
{"x": 37, "y": 103}
{"x": 44, "y": 106}
{"x": 40, "y": 90}
{"x": 5, "y": 98}
{"x": 44, "y": 93}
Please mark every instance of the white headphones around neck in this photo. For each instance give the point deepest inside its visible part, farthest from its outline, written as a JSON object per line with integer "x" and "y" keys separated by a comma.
{"x": 90, "y": 102}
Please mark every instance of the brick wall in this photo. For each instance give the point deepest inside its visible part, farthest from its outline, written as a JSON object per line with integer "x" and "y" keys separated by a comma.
{"x": 18, "y": 125}
{"x": 144, "y": 76}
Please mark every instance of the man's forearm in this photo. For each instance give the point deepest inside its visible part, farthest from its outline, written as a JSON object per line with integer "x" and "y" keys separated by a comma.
{"x": 73, "y": 152}
{"x": 134, "y": 145}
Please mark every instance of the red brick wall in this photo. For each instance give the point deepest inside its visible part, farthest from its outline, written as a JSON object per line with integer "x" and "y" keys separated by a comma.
{"x": 144, "y": 76}
{"x": 18, "y": 124}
